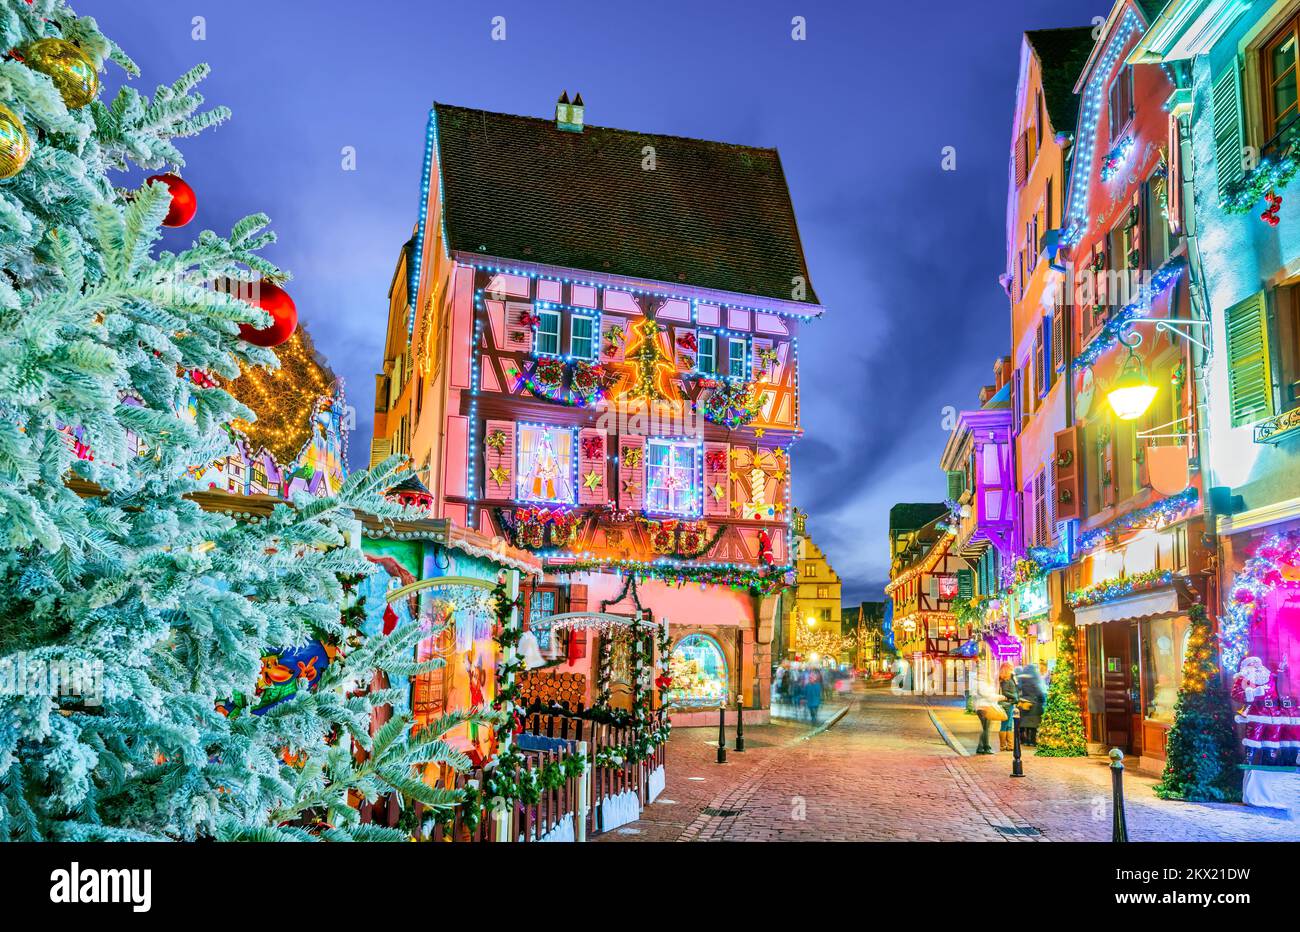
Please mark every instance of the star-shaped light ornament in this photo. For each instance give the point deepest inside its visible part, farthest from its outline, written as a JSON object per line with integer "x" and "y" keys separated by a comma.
{"x": 592, "y": 480}
{"x": 759, "y": 432}
{"x": 499, "y": 475}
{"x": 719, "y": 492}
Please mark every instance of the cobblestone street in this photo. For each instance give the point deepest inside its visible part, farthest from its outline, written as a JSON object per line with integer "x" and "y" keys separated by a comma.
{"x": 884, "y": 772}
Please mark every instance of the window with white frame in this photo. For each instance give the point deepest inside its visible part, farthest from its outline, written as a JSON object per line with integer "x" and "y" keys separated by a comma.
{"x": 672, "y": 479}
{"x": 582, "y": 337}
{"x": 706, "y": 360}
{"x": 548, "y": 332}
{"x": 737, "y": 350}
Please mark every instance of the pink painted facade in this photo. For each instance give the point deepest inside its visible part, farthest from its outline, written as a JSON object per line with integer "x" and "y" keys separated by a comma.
{"x": 581, "y": 413}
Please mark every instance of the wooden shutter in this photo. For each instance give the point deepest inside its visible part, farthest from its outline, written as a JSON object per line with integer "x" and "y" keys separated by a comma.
{"x": 1250, "y": 374}
{"x": 381, "y": 448}
{"x": 1017, "y": 403}
{"x": 1022, "y": 160}
{"x": 1040, "y": 360}
{"x": 591, "y": 459}
{"x": 1108, "y": 481}
{"x": 1059, "y": 326}
{"x": 631, "y": 471}
{"x": 1065, "y": 473}
{"x": 1229, "y": 135}
{"x": 1040, "y": 508}
{"x": 612, "y": 345}
{"x": 518, "y": 335}
{"x": 499, "y": 460}
{"x": 717, "y": 466}
{"x": 956, "y": 484}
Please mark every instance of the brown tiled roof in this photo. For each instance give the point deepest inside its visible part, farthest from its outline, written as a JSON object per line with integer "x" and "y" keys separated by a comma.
{"x": 1062, "y": 53}
{"x": 711, "y": 215}
{"x": 912, "y": 516}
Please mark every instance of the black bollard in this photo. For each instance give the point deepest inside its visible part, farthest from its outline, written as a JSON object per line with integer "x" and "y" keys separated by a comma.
{"x": 1119, "y": 829}
{"x": 1017, "y": 764}
{"x": 740, "y": 724}
{"x": 722, "y": 733}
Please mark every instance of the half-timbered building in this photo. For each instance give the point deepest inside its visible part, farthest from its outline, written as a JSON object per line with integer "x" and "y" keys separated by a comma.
{"x": 592, "y": 354}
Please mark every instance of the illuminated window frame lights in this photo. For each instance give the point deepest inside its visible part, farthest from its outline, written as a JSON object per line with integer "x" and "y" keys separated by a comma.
{"x": 697, "y": 489}
{"x": 571, "y": 310}
{"x": 572, "y": 431}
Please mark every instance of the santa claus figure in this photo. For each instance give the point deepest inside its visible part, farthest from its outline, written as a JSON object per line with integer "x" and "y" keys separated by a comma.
{"x": 1254, "y": 689}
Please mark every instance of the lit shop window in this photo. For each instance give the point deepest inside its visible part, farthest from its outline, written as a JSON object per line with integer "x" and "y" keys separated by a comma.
{"x": 545, "y": 465}
{"x": 699, "y": 672}
{"x": 548, "y": 332}
{"x": 672, "y": 477}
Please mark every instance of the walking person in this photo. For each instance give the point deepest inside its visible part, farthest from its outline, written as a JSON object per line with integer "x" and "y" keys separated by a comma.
{"x": 1010, "y": 699}
{"x": 812, "y": 694}
{"x": 1033, "y": 696}
{"x": 988, "y": 710}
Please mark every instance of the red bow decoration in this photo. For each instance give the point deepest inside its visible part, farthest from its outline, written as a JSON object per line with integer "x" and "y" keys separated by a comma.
{"x": 663, "y": 681}
{"x": 687, "y": 341}
{"x": 529, "y": 319}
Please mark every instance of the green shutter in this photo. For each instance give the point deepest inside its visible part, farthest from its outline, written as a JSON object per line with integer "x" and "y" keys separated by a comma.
{"x": 956, "y": 484}
{"x": 1250, "y": 375}
{"x": 1229, "y": 138}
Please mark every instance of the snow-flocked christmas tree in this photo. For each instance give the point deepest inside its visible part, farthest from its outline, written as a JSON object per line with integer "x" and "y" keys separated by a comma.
{"x": 155, "y": 611}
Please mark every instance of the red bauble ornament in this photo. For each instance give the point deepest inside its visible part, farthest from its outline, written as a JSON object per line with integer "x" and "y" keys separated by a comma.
{"x": 273, "y": 299}
{"x": 184, "y": 201}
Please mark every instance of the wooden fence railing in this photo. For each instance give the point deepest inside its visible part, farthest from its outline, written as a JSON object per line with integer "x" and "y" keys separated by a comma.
{"x": 565, "y": 734}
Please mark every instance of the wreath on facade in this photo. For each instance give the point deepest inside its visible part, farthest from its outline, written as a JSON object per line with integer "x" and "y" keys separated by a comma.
{"x": 732, "y": 404}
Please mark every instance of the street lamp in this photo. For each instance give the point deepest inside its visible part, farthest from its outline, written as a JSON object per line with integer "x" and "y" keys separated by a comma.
{"x": 810, "y": 621}
{"x": 1132, "y": 392}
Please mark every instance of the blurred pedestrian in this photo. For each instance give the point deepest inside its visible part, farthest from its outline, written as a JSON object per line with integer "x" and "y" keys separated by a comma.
{"x": 1010, "y": 699}
{"x": 1033, "y": 695}
{"x": 812, "y": 694}
{"x": 988, "y": 710}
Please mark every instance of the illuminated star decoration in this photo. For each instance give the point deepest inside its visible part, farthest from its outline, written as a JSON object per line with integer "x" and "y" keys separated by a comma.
{"x": 719, "y": 492}
{"x": 759, "y": 432}
{"x": 592, "y": 480}
{"x": 499, "y": 474}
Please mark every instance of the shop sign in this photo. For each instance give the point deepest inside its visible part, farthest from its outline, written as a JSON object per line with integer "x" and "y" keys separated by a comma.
{"x": 1033, "y": 598}
{"x": 948, "y": 588}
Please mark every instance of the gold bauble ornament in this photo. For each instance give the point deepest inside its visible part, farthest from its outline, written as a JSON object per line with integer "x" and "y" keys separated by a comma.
{"x": 15, "y": 146}
{"x": 71, "y": 70}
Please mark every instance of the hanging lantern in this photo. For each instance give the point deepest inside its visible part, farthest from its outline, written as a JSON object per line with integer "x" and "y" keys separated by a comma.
{"x": 1132, "y": 392}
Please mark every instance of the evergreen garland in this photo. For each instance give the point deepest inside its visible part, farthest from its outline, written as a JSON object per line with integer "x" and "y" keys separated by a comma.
{"x": 1202, "y": 751}
{"x": 1061, "y": 734}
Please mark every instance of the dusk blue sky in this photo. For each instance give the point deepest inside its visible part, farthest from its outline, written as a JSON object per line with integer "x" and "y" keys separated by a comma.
{"x": 904, "y": 256}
